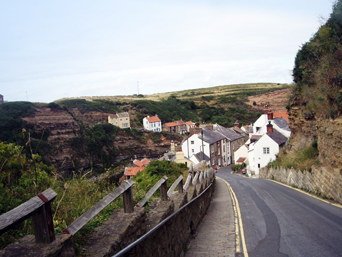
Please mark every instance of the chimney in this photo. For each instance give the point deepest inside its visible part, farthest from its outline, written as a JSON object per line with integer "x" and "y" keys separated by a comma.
{"x": 266, "y": 110}
{"x": 173, "y": 148}
{"x": 270, "y": 115}
{"x": 236, "y": 124}
{"x": 269, "y": 127}
{"x": 156, "y": 115}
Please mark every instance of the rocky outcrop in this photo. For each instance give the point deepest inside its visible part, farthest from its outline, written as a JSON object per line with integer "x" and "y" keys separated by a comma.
{"x": 62, "y": 125}
{"x": 328, "y": 133}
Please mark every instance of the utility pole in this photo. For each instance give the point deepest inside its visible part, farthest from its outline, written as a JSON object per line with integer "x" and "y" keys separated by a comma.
{"x": 202, "y": 146}
{"x": 138, "y": 86}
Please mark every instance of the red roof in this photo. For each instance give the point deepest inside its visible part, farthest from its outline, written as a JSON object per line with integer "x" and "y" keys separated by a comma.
{"x": 138, "y": 163}
{"x": 241, "y": 159}
{"x": 145, "y": 161}
{"x": 279, "y": 114}
{"x": 190, "y": 123}
{"x": 132, "y": 171}
{"x": 175, "y": 123}
{"x": 153, "y": 119}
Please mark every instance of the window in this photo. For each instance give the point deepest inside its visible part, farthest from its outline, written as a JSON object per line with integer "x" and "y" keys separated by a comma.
{"x": 126, "y": 118}
{"x": 266, "y": 150}
{"x": 193, "y": 150}
{"x": 212, "y": 149}
{"x": 192, "y": 142}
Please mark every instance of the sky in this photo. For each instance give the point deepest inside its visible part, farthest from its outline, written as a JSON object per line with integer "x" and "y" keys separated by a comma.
{"x": 57, "y": 49}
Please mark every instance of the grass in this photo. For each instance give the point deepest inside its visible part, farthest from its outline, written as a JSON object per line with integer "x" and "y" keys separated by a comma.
{"x": 302, "y": 159}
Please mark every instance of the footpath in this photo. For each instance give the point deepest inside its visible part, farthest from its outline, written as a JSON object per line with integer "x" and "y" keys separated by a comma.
{"x": 216, "y": 235}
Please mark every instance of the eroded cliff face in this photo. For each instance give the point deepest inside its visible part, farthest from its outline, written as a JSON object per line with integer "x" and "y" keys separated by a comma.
{"x": 327, "y": 132}
{"x": 62, "y": 127}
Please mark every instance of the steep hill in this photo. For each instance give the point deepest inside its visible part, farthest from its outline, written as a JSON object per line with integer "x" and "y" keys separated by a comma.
{"x": 316, "y": 102}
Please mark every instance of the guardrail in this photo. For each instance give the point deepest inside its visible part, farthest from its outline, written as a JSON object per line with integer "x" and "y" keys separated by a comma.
{"x": 125, "y": 190}
{"x": 207, "y": 175}
{"x": 39, "y": 208}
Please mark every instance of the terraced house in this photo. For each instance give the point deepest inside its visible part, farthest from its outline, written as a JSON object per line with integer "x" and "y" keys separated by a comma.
{"x": 213, "y": 144}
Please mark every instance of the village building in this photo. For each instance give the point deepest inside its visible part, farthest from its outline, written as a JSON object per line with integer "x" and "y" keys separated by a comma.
{"x": 269, "y": 134}
{"x": 120, "y": 120}
{"x": 135, "y": 168}
{"x": 178, "y": 126}
{"x": 152, "y": 123}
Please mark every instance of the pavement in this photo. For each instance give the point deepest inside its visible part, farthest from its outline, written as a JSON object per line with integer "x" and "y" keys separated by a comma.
{"x": 215, "y": 236}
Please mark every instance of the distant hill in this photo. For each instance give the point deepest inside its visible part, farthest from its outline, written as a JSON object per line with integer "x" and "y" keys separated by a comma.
{"x": 73, "y": 134}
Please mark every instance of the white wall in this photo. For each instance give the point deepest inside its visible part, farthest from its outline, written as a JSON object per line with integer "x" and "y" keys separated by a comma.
{"x": 194, "y": 148}
{"x": 241, "y": 152}
{"x": 256, "y": 156}
{"x": 153, "y": 126}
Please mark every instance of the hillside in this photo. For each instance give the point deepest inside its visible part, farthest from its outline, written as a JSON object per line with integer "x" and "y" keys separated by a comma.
{"x": 73, "y": 134}
{"x": 316, "y": 103}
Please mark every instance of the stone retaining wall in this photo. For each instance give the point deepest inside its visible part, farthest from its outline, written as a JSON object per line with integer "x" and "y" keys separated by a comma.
{"x": 327, "y": 183}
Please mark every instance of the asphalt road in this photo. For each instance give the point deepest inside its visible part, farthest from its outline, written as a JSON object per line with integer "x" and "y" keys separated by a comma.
{"x": 280, "y": 221}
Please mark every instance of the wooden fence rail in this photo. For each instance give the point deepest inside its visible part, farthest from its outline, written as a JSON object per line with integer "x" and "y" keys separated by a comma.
{"x": 163, "y": 192}
{"x": 179, "y": 183}
{"x": 39, "y": 208}
{"x": 125, "y": 189}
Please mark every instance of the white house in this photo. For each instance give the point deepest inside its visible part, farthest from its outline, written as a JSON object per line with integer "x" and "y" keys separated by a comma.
{"x": 152, "y": 123}
{"x": 264, "y": 149}
{"x": 269, "y": 117}
{"x": 241, "y": 153}
{"x": 192, "y": 148}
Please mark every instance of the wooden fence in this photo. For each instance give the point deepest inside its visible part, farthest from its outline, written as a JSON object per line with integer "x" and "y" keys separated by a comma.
{"x": 39, "y": 207}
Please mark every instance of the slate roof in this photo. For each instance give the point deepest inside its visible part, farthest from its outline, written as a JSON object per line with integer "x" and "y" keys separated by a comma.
{"x": 199, "y": 157}
{"x": 279, "y": 138}
{"x": 282, "y": 123}
{"x": 255, "y": 137}
{"x": 118, "y": 115}
{"x": 232, "y": 136}
{"x": 210, "y": 136}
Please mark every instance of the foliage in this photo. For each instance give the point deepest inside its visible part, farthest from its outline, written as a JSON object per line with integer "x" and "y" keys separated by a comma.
{"x": 302, "y": 159}
{"x": 154, "y": 172}
{"x": 167, "y": 110}
{"x": 318, "y": 69}
{"x": 238, "y": 167}
{"x": 21, "y": 178}
{"x": 86, "y": 106}
{"x": 11, "y": 122}
{"x": 97, "y": 142}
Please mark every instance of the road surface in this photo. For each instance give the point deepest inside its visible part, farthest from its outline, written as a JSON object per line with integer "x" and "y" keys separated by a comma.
{"x": 280, "y": 221}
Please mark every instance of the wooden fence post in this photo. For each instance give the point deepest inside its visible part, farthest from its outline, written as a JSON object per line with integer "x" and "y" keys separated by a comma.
{"x": 180, "y": 186}
{"x": 42, "y": 220}
{"x": 163, "y": 191}
{"x": 128, "y": 200}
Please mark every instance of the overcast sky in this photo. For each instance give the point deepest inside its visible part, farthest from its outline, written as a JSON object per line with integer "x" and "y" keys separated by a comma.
{"x": 55, "y": 49}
